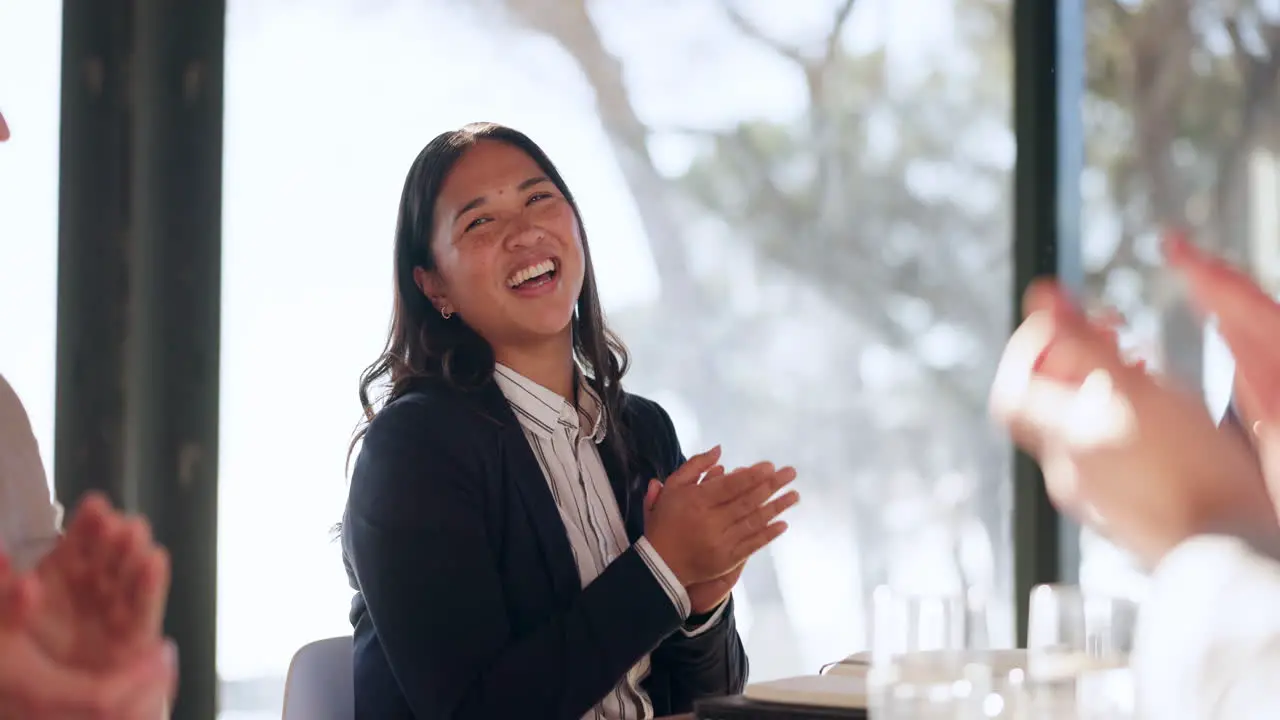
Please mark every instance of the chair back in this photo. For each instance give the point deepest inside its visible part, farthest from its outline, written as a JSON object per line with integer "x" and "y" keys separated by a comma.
{"x": 319, "y": 684}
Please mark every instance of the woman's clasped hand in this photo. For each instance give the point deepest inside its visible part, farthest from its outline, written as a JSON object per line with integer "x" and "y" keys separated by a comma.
{"x": 706, "y": 522}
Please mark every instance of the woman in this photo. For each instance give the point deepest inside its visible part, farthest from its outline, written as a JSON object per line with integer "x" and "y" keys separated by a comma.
{"x": 511, "y": 555}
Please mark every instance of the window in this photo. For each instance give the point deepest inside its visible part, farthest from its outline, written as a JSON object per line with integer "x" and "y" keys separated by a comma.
{"x": 801, "y": 225}
{"x": 30, "y": 57}
{"x": 1180, "y": 127}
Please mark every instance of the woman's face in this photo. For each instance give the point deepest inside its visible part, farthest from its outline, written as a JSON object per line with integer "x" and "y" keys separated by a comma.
{"x": 507, "y": 246}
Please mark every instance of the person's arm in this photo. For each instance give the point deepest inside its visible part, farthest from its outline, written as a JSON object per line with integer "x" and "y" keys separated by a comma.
{"x": 1208, "y": 643}
{"x": 711, "y": 663}
{"x": 29, "y": 518}
{"x": 699, "y": 624}
{"x": 424, "y": 565}
{"x": 705, "y": 658}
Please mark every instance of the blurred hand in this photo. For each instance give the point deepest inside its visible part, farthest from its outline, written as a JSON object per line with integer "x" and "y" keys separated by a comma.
{"x": 4, "y": 129}
{"x": 1249, "y": 322}
{"x": 37, "y": 686}
{"x": 705, "y": 530}
{"x": 704, "y": 596}
{"x": 106, "y": 583}
{"x": 1121, "y": 450}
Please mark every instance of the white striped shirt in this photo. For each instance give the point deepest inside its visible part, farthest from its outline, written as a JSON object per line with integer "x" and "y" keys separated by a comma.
{"x": 564, "y": 441}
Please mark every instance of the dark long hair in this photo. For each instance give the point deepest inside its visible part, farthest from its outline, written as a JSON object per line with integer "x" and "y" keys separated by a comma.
{"x": 423, "y": 344}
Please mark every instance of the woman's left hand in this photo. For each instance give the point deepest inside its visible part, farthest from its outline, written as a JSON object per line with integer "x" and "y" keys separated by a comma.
{"x": 707, "y": 596}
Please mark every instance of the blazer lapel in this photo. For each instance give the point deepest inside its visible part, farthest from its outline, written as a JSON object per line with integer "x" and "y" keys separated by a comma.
{"x": 525, "y": 473}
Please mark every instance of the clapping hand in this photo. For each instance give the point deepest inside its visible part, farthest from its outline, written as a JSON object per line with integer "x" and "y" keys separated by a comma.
{"x": 1135, "y": 456}
{"x": 1249, "y": 322}
{"x": 704, "y": 596}
{"x": 705, "y": 523}
{"x": 34, "y": 685}
{"x": 106, "y": 584}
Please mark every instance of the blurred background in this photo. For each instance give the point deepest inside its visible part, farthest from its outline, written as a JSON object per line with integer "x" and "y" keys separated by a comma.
{"x": 802, "y": 220}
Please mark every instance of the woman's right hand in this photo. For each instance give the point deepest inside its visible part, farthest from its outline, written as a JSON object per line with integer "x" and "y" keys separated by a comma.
{"x": 703, "y": 530}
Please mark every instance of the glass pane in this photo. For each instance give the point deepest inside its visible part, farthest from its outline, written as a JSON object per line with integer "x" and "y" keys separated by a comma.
{"x": 1180, "y": 122}
{"x": 30, "y": 58}
{"x": 801, "y": 227}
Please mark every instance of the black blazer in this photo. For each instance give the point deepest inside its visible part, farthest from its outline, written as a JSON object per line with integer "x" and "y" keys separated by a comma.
{"x": 469, "y": 603}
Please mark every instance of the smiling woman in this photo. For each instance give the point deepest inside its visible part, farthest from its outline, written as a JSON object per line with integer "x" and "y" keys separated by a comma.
{"x": 511, "y": 552}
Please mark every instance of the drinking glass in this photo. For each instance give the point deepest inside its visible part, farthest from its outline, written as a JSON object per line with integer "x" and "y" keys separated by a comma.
{"x": 920, "y": 668}
{"x": 1078, "y": 648}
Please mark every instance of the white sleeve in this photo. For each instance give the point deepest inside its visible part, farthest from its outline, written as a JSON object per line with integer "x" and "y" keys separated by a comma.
{"x": 29, "y": 518}
{"x": 679, "y": 596}
{"x": 1208, "y": 643}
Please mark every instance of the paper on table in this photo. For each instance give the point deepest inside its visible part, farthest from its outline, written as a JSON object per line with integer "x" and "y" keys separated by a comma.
{"x": 1001, "y": 661}
{"x": 840, "y": 691}
{"x": 1064, "y": 666}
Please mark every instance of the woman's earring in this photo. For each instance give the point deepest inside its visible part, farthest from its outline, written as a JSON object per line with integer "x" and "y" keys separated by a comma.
{"x": 445, "y": 312}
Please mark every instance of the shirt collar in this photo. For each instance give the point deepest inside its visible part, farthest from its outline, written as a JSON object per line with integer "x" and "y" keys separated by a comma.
{"x": 543, "y": 411}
